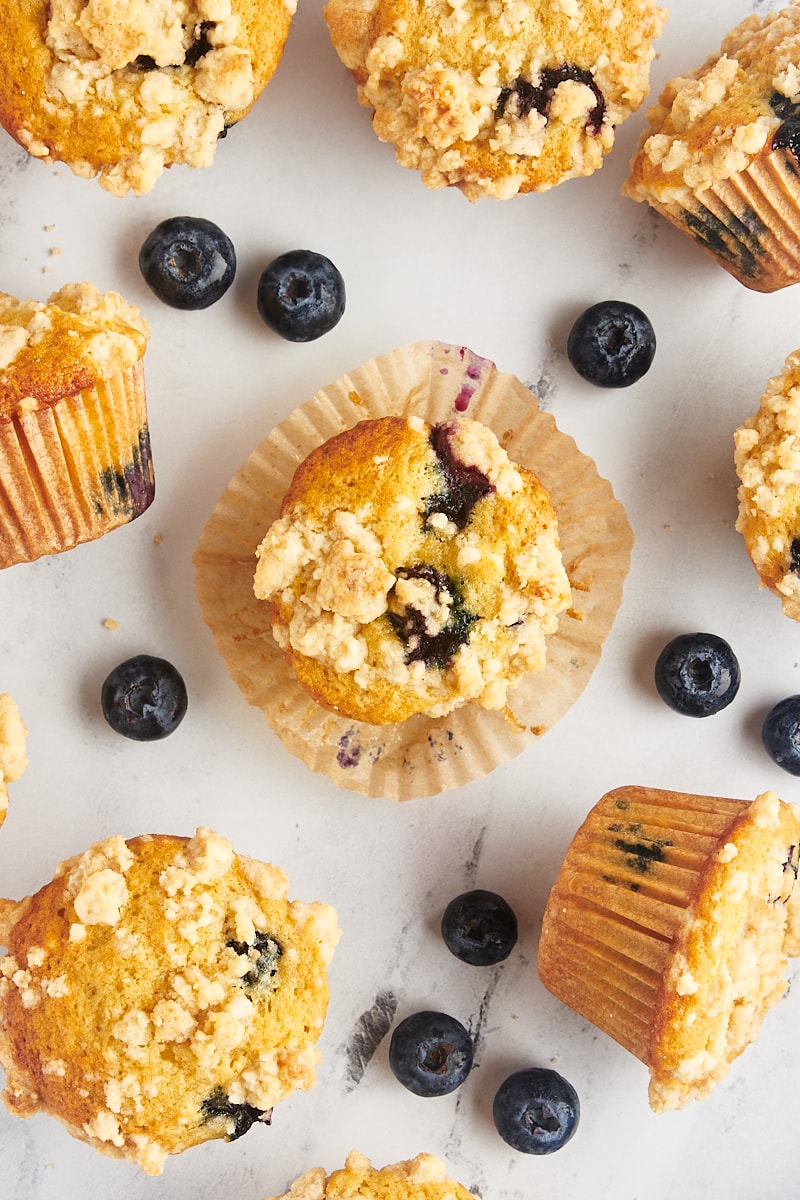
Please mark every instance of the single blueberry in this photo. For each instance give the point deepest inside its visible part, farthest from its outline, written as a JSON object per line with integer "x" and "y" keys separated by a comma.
{"x": 430, "y": 1053}
{"x": 536, "y": 1111}
{"x": 780, "y": 734}
{"x": 697, "y": 674}
{"x": 188, "y": 262}
{"x": 612, "y": 344}
{"x": 301, "y": 295}
{"x": 479, "y": 927}
{"x": 144, "y": 698}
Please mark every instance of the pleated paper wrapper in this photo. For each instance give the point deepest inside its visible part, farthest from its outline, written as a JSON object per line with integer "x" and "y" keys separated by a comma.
{"x": 74, "y": 470}
{"x": 421, "y": 756}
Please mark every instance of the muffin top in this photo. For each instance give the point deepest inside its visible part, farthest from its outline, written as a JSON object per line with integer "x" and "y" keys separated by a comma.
{"x": 712, "y": 122}
{"x": 497, "y": 99}
{"x": 413, "y": 568}
{"x": 767, "y": 459}
{"x": 123, "y": 90}
{"x": 730, "y": 959}
{"x": 160, "y": 992}
{"x": 420, "y": 1178}
{"x": 13, "y": 748}
{"x": 77, "y": 339}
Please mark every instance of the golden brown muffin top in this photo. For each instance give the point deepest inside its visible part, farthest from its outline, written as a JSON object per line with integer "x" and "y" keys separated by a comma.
{"x": 712, "y": 122}
{"x": 501, "y": 98}
{"x": 123, "y": 90}
{"x": 413, "y": 568}
{"x": 160, "y": 992}
{"x": 421, "y": 1178}
{"x": 13, "y": 749}
{"x": 77, "y": 339}
{"x": 767, "y": 460}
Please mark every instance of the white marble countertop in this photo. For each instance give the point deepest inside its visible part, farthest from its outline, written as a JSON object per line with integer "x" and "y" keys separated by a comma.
{"x": 506, "y": 279}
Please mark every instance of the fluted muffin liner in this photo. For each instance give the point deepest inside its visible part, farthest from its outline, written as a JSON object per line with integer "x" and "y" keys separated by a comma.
{"x": 648, "y": 893}
{"x": 76, "y": 469}
{"x": 750, "y": 222}
{"x": 421, "y": 756}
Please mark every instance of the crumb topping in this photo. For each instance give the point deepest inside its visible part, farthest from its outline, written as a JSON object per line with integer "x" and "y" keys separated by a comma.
{"x": 173, "y": 68}
{"x": 743, "y": 915}
{"x": 711, "y": 123}
{"x": 83, "y": 335}
{"x": 767, "y": 461}
{"x": 498, "y": 98}
{"x": 176, "y": 991}
{"x": 421, "y": 1178}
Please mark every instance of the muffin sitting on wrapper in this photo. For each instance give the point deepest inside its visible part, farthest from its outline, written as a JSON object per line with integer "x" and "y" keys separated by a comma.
{"x": 669, "y": 926}
{"x": 75, "y": 457}
{"x": 466, "y": 657}
{"x": 497, "y": 100}
{"x": 413, "y": 568}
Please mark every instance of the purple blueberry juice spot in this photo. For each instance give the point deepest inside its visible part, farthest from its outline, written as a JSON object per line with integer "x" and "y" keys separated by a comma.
{"x": 464, "y": 485}
{"x": 349, "y": 752}
{"x": 461, "y": 402}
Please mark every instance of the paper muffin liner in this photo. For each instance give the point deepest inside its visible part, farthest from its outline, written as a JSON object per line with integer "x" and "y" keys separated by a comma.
{"x": 421, "y": 756}
{"x": 75, "y": 470}
{"x": 749, "y": 223}
{"x": 632, "y": 871}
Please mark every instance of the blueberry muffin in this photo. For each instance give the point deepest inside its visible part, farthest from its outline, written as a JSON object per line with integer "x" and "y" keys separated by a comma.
{"x": 497, "y": 99}
{"x": 13, "y": 755}
{"x": 413, "y": 568}
{"x": 74, "y": 439}
{"x": 159, "y": 993}
{"x": 719, "y": 156}
{"x": 421, "y": 1178}
{"x": 122, "y": 91}
{"x": 669, "y": 927}
{"x": 767, "y": 459}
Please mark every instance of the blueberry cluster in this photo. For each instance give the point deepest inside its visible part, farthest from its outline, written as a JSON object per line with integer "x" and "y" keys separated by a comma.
{"x": 190, "y": 263}
{"x": 535, "y": 1110}
{"x": 697, "y": 675}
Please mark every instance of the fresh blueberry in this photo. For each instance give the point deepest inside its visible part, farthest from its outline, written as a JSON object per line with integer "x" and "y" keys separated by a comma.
{"x": 430, "y": 1053}
{"x": 479, "y": 927}
{"x": 301, "y": 295}
{"x": 144, "y": 698}
{"x": 188, "y": 262}
{"x": 697, "y": 674}
{"x": 536, "y": 1111}
{"x": 780, "y": 734}
{"x": 612, "y": 344}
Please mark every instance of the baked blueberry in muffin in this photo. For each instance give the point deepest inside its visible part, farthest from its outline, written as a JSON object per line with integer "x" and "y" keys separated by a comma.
{"x": 497, "y": 99}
